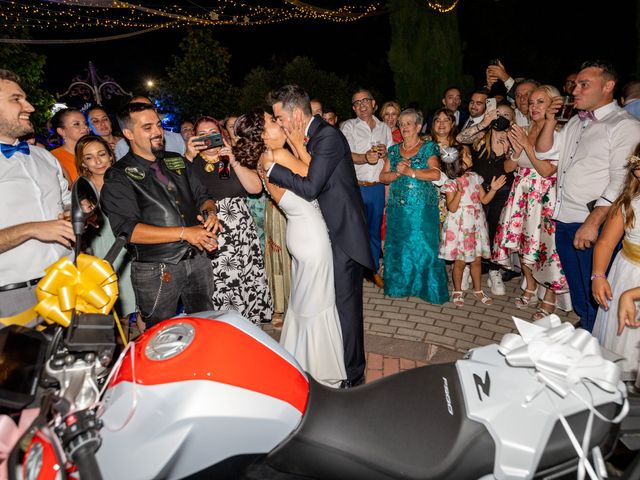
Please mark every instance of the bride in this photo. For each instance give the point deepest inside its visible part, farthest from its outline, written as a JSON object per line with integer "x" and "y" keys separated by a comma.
{"x": 311, "y": 331}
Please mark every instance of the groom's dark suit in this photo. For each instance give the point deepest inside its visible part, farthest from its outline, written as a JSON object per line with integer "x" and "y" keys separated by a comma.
{"x": 332, "y": 181}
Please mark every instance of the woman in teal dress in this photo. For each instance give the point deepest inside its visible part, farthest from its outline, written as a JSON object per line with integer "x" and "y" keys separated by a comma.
{"x": 411, "y": 263}
{"x": 93, "y": 158}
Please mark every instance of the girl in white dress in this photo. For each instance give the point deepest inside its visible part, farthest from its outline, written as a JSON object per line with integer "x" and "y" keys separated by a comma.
{"x": 311, "y": 331}
{"x": 624, "y": 273}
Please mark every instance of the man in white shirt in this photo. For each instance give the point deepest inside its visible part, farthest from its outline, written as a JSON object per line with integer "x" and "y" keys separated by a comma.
{"x": 369, "y": 139}
{"x": 33, "y": 194}
{"x": 173, "y": 142}
{"x": 592, "y": 150}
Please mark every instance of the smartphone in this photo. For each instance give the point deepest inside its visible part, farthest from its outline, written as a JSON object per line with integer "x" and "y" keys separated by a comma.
{"x": 491, "y": 103}
{"x": 494, "y": 61}
{"x": 211, "y": 141}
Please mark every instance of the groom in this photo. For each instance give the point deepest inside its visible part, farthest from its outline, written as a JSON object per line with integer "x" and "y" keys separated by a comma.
{"x": 332, "y": 181}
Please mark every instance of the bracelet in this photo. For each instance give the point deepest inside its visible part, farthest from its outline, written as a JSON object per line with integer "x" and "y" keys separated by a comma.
{"x": 598, "y": 275}
{"x": 181, "y": 234}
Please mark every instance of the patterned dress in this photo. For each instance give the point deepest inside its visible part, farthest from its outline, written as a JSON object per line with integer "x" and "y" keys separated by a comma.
{"x": 526, "y": 227}
{"x": 238, "y": 266}
{"x": 412, "y": 266}
{"x": 464, "y": 233}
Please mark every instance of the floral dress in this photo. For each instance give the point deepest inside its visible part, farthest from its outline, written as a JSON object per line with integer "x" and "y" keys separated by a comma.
{"x": 526, "y": 227}
{"x": 464, "y": 233}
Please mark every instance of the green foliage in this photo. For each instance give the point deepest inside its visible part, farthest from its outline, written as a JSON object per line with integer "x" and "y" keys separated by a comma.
{"x": 425, "y": 53}
{"x": 30, "y": 67}
{"x": 327, "y": 87}
{"x": 198, "y": 82}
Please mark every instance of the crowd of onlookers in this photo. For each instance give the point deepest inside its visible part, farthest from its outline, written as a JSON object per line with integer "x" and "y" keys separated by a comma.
{"x": 529, "y": 179}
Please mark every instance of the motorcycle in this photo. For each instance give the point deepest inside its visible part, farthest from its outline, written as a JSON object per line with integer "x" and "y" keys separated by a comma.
{"x": 210, "y": 395}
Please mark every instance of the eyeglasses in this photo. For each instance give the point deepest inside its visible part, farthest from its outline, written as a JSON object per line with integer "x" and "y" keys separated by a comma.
{"x": 363, "y": 101}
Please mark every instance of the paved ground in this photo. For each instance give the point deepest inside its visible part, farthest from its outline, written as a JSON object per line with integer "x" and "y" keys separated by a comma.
{"x": 402, "y": 333}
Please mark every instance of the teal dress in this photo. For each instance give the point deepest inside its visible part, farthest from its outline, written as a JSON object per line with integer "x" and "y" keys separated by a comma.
{"x": 411, "y": 264}
{"x": 100, "y": 244}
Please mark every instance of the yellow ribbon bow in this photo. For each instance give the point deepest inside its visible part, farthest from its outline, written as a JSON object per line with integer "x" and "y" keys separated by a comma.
{"x": 92, "y": 287}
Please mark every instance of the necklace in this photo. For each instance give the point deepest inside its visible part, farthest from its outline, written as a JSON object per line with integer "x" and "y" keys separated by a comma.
{"x": 412, "y": 146}
{"x": 209, "y": 164}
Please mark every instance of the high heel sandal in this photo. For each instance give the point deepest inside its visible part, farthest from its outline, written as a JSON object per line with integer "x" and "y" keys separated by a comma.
{"x": 457, "y": 297}
{"x": 523, "y": 301}
{"x": 480, "y": 295}
{"x": 541, "y": 313}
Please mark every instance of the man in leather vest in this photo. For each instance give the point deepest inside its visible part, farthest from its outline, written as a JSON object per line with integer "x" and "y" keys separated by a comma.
{"x": 154, "y": 201}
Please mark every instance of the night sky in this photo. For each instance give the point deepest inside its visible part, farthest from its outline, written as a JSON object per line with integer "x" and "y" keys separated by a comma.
{"x": 543, "y": 39}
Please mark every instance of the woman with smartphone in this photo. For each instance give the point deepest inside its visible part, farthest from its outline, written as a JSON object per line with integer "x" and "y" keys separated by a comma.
{"x": 238, "y": 264}
{"x": 492, "y": 157}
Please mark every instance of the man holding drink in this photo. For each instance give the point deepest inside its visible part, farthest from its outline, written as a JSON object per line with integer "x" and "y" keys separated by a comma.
{"x": 368, "y": 140}
{"x": 592, "y": 150}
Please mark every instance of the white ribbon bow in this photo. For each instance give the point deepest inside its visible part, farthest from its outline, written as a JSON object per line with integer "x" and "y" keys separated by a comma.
{"x": 562, "y": 356}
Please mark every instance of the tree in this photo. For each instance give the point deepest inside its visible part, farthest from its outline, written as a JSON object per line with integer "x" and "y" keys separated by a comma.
{"x": 29, "y": 66}
{"x": 328, "y": 87}
{"x": 425, "y": 54}
{"x": 198, "y": 82}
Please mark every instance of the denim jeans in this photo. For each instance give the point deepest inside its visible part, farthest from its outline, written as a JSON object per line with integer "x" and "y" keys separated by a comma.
{"x": 159, "y": 287}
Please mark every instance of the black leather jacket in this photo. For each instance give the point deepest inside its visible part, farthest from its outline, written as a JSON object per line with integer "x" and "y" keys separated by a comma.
{"x": 132, "y": 194}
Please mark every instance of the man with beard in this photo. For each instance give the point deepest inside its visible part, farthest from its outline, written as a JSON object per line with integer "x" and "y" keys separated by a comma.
{"x": 33, "y": 193}
{"x": 166, "y": 215}
{"x": 173, "y": 141}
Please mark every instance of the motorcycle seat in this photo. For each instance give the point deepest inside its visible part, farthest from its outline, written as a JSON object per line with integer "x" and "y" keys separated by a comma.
{"x": 386, "y": 430}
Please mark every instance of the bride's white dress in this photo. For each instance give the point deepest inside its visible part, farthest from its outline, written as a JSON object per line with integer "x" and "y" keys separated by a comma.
{"x": 311, "y": 331}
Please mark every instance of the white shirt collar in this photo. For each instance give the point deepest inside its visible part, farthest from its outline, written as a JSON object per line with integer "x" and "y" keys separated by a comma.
{"x": 306, "y": 130}
{"x": 605, "y": 110}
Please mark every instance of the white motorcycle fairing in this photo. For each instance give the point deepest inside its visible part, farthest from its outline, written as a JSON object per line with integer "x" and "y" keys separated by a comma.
{"x": 214, "y": 401}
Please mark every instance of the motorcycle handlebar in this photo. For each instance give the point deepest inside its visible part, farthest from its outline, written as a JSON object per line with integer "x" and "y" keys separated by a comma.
{"x": 85, "y": 460}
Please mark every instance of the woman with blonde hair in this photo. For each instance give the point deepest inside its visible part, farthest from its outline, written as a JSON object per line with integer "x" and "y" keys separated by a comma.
{"x": 526, "y": 225}
{"x": 389, "y": 113}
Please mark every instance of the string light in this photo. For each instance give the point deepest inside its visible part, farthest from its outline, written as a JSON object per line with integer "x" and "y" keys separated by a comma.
{"x": 118, "y": 15}
{"x": 437, "y": 6}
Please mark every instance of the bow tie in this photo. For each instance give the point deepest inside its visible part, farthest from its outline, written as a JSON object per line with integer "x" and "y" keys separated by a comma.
{"x": 8, "y": 150}
{"x": 584, "y": 115}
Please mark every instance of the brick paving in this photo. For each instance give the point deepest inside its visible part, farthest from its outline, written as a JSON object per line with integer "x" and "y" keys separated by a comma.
{"x": 404, "y": 333}
{"x": 455, "y": 328}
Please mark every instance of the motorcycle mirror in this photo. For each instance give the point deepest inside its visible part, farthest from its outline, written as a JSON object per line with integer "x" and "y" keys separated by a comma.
{"x": 84, "y": 200}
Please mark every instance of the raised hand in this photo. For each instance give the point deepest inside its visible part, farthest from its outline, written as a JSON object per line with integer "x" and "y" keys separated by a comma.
{"x": 498, "y": 183}
{"x": 193, "y": 147}
{"x": 554, "y": 108}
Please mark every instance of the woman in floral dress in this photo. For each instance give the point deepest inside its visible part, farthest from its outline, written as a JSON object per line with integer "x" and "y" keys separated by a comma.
{"x": 526, "y": 226}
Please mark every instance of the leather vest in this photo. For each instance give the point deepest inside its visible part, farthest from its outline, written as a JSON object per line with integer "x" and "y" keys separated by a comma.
{"x": 162, "y": 206}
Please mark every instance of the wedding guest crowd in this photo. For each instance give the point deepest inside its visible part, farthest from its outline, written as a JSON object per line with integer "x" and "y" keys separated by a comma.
{"x": 525, "y": 179}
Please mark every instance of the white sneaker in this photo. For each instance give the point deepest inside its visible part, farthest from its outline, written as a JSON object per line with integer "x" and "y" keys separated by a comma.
{"x": 466, "y": 278}
{"x": 495, "y": 282}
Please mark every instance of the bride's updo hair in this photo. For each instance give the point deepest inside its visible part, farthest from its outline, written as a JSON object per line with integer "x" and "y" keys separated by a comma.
{"x": 250, "y": 145}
